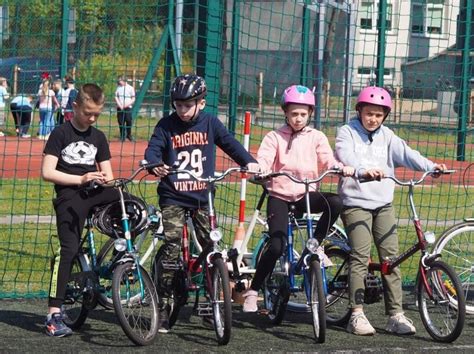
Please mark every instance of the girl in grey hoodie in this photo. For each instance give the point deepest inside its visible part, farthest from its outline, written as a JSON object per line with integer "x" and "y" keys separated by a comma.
{"x": 374, "y": 151}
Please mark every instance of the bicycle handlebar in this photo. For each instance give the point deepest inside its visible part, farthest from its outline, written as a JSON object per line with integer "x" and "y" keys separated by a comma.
{"x": 121, "y": 181}
{"x": 333, "y": 171}
{"x": 411, "y": 182}
{"x": 210, "y": 179}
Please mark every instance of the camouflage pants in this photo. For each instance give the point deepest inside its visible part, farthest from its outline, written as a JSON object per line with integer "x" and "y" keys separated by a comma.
{"x": 173, "y": 221}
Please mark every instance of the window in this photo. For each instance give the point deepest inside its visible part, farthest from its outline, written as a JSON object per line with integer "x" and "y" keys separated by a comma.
{"x": 369, "y": 72}
{"x": 427, "y": 17}
{"x": 369, "y": 14}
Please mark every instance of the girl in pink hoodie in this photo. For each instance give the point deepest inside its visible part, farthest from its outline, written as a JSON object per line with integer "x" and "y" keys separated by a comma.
{"x": 301, "y": 151}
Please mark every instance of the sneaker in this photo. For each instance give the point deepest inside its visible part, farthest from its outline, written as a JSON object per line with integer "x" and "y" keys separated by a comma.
{"x": 2, "y": 134}
{"x": 25, "y": 136}
{"x": 163, "y": 321}
{"x": 55, "y": 326}
{"x": 360, "y": 325}
{"x": 250, "y": 303}
{"x": 400, "y": 324}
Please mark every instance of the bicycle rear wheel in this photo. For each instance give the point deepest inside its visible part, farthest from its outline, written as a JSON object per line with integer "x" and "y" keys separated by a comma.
{"x": 276, "y": 291}
{"x": 442, "y": 312}
{"x": 317, "y": 302}
{"x": 337, "y": 283}
{"x": 74, "y": 309}
{"x": 137, "y": 313}
{"x": 221, "y": 301}
{"x": 456, "y": 246}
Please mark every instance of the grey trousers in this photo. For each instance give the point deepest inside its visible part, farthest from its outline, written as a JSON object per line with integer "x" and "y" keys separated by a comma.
{"x": 362, "y": 226}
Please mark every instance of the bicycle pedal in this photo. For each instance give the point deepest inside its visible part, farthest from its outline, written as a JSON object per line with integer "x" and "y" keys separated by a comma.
{"x": 170, "y": 265}
{"x": 204, "y": 309}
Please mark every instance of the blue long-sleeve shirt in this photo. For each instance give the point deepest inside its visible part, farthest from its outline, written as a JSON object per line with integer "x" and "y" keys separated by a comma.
{"x": 387, "y": 152}
{"x": 191, "y": 146}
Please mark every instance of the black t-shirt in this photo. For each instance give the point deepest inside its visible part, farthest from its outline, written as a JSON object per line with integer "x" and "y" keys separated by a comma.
{"x": 78, "y": 152}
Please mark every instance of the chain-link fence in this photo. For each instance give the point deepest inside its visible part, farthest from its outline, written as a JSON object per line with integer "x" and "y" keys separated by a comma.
{"x": 248, "y": 51}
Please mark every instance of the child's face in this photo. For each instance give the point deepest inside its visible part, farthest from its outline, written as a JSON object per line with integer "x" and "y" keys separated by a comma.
{"x": 297, "y": 115}
{"x": 372, "y": 117}
{"x": 86, "y": 113}
{"x": 187, "y": 110}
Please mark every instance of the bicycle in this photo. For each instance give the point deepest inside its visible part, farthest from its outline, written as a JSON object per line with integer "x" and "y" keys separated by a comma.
{"x": 456, "y": 246}
{"x": 134, "y": 297}
{"x": 204, "y": 273}
{"x": 294, "y": 273}
{"x": 442, "y": 310}
{"x": 335, "y": 243}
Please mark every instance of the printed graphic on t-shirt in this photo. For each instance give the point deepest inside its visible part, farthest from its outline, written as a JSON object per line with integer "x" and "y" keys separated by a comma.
{"x": 190, "y": 159}
{"x": 79, "y": 152}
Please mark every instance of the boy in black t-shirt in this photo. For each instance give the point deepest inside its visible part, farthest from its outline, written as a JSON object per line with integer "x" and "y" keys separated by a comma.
{"x": 187, "y": 138}
{"x": 76, "y": 153}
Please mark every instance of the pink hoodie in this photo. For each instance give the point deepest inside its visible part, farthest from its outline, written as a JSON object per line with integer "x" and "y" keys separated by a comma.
{"x": 308, "y": 153}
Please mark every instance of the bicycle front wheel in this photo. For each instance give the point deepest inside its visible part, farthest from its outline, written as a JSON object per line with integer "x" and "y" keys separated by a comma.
{"x": 106, "y": 257}
{"x": 441, "y": 302}
{"x": 74, "y": 307}
{"x": 136, "y": 309}
{"x": 456, "y": 246}
{"x": 317, "y": 301}
{"x": 337, "y": 283}
{"x": 220, "y": 297}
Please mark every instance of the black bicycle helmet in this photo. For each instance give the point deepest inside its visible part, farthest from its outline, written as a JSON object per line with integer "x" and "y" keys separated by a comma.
{"x": 188, "y": 87}
{"x": 108, "y": 219}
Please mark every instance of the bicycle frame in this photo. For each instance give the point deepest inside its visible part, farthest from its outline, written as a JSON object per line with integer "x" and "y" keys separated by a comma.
{"x": 387, "y": 266}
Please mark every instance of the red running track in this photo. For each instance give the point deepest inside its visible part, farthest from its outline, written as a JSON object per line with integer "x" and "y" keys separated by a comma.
{"x": 21, "y": 158}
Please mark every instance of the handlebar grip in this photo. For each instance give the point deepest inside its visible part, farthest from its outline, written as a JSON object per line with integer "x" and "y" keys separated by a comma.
{"x": 365, "y": 179}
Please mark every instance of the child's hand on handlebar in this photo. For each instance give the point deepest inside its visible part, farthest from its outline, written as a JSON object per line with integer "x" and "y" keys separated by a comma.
{"x": 439, "y": 167}
{"x": 374, "y": 174}
{"x": 254, "y": 167}
{"x": 161, "y": 171}
{"x": 348, "y": 171}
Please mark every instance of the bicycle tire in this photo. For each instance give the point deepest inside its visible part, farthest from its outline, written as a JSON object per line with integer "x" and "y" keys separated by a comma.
{"x": 178, "y": 297}
{"x": 317, "y": 301}
{"x": 276, "y": 291}
{"x": 221, "y": 300}
{"x": 298, "y": 302}
{"x": 445, "y": 287}
{"x": 337, "y": 284}
{"x": 456, "y": 246}
{"x": 74, "y": 310}
{"x": 140, "y": 327}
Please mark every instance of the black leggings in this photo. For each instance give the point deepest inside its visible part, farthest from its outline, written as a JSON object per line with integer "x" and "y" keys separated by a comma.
{"x": 329, "y": 204}
{"x": 72, "y": 208}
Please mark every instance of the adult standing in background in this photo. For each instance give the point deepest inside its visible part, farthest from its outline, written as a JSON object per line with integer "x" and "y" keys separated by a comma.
{"x": 125, "y": 98}
{"x": 3, "y": 97}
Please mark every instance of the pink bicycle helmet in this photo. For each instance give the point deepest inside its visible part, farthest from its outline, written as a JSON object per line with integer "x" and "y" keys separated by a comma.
{"x": 375, "y": 95}
{"x": 297, "y": 94}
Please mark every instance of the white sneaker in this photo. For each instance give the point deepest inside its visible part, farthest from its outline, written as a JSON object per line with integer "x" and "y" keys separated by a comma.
{"x": 250, "y": 303}
{"x": 400, "y": 324}
{"x": 2, "y": 134}
{"x": 360, "y": 325}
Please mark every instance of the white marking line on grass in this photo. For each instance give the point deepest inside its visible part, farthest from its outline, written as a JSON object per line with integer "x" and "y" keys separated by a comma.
{"x": 448, "y": 346}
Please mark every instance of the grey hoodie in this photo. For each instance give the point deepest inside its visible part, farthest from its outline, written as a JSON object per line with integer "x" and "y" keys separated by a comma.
{"x": 387, "y": 151}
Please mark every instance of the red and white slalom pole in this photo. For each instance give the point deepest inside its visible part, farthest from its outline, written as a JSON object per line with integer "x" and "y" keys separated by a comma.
{"x": 240, "y": 231}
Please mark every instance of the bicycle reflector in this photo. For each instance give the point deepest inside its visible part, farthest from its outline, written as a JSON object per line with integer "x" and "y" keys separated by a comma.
{"x": 215, "y": 235}
{"x": 120, "y": 244}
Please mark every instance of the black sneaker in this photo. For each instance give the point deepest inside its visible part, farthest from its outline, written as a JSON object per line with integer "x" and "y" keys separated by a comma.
{"x": 163, "y": 321}
{"x": 55, "y": 326}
